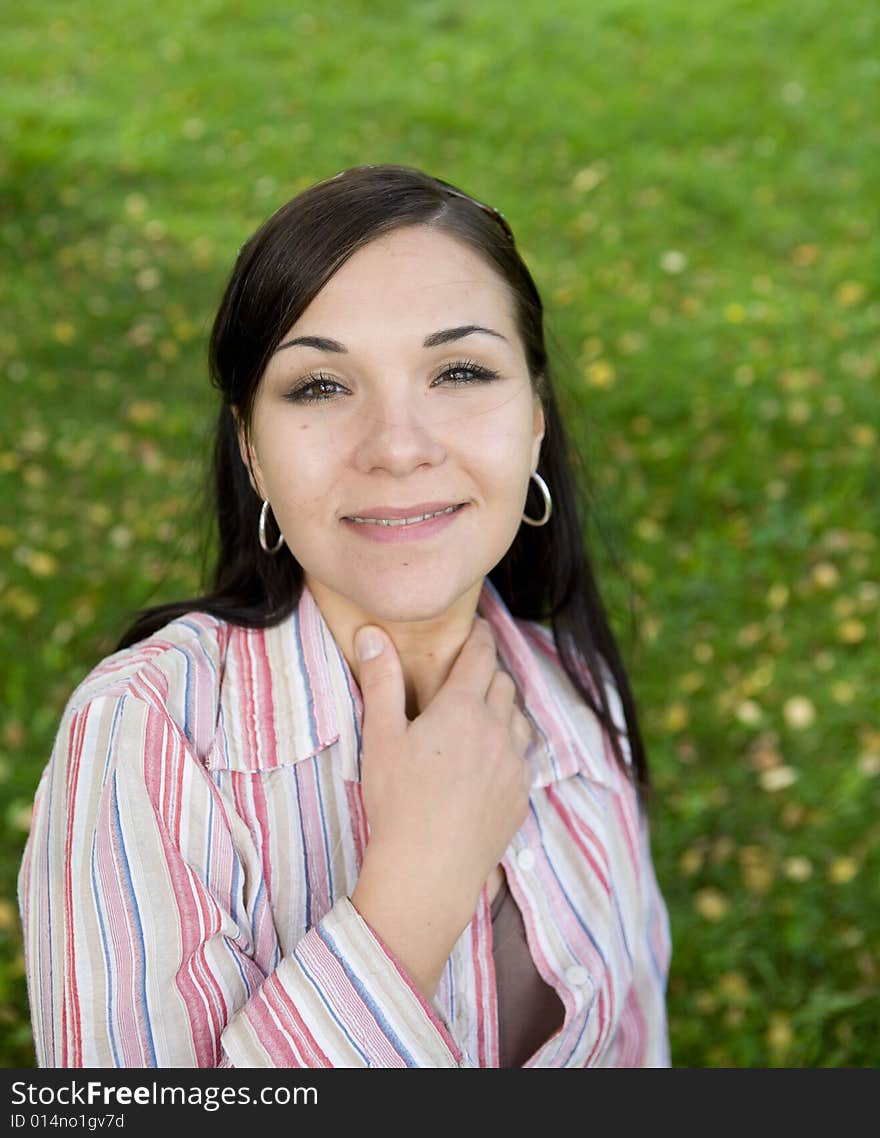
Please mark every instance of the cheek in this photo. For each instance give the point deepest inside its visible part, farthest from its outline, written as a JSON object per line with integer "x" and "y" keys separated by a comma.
{"x": 297, "y": 464}
{"x": 502, "y": 445}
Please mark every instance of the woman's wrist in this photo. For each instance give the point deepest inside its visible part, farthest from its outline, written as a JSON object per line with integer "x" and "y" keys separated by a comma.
{"x": 417, "y": 917}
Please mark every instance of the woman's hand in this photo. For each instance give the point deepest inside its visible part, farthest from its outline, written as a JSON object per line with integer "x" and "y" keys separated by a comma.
{"x": 443, "y": 793}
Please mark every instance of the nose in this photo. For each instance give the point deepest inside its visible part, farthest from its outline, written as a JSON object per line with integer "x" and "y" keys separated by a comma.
{"x": 396, "y": 436}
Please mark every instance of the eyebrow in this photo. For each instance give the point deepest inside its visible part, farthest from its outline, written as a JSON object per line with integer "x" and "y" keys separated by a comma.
{"x": 446, "y": 336}
{"x": 450, "y": 334}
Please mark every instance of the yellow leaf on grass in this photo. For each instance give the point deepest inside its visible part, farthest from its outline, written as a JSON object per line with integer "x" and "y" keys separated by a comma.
{"x": 711, "y": 904}
{"x": 842, "y": 870}
{"x": 849, "y": 293}
{"x": 779, "y": 1034}
{"x": 42, "y": 564}
{"x": 734, "y": 987}
{"x": 777, "y": 778}
{"x": 851, "y": 631}
{"x": 601, "y": 374}
{"x": 799, "y": 712}
{"x": 797, "y": 868}
{"x": 825, "y": 575}
{"x": 690, "y": 861}
{"x": 676, "y": 717}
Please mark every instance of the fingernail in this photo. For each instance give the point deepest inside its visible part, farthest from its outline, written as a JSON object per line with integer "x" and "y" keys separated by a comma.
{"x": 367, "y": 644}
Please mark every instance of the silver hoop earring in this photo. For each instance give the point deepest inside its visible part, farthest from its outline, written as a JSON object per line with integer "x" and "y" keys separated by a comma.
{"x": 264, "y": 544}
{"x": 548, "y": 503}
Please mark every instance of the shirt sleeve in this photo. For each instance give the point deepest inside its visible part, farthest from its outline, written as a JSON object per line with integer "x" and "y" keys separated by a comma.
{"x": 140, "y": 919}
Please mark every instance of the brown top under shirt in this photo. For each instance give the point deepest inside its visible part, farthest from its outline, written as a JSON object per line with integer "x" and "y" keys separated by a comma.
{"x": 529, "y": 1010}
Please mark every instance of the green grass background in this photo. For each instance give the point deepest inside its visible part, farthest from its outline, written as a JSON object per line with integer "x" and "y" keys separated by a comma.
{"x": 696, "y": 189}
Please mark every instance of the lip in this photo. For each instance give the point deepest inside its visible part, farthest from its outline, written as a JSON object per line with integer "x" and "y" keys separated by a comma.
{"x": 395, "y": 531}
{"x": 397, "y": 513}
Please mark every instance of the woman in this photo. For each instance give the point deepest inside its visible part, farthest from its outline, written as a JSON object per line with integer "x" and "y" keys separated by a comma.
{"x": 377, "y": 798}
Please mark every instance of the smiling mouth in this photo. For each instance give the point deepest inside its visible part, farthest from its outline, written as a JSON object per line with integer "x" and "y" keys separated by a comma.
{"x": 405, "y": 521}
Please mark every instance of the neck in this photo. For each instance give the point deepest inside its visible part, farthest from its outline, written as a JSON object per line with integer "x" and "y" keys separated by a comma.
{"x": 427, "y": 648}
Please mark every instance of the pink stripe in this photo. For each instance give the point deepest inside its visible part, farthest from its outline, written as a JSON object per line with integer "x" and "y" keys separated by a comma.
{"x": 483, "y": 965}
{"x": 633, "y": 1030}
{"x": 261, "y": 819}
{"x": 316, "y": 866}
{"x": 301, "y": 1045}
{"x": 198, "y": 920}
{"x": 626, "y": 820}
{"x": 332, "y": 980}
{"x": 250, "y": 802}
{"x": 355, "y": 799}
{"x": 110, "y": 864}
{"x": 266, "y": 724}
{"x": 432, "y": 1015}
{"x": 572, "y": 823}
{"x": 70, "y": 1019}
{"x": 601, "y": 1035}
{"x": 587, "y": 954}
{"x": 315, "y": 662}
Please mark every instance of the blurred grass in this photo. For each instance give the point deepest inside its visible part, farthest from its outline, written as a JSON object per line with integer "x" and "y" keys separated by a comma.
{"x": 696, "y": 189}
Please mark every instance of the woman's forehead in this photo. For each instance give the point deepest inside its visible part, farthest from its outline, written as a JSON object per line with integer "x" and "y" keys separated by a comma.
{"x": 412, "y": 275}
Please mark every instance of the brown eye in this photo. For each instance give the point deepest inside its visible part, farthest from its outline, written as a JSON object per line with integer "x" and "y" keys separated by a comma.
{"x": 465, "y": 372}
{"x": 315, "y": 389}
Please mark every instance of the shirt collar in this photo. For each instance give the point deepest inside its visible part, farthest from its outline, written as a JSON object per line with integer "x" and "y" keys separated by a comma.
{"x": 288, "y": 693}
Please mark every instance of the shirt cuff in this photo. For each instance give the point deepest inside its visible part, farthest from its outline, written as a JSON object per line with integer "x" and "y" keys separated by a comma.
{"x": 341, "y": 999}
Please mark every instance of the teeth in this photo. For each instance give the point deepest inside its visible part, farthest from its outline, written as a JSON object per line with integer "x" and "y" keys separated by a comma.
{"x": 403, "y": 521}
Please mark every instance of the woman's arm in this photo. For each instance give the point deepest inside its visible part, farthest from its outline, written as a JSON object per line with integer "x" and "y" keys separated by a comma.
{"x": 141, "y": 915}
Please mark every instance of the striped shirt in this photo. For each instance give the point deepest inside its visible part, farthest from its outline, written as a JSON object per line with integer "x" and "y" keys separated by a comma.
{"x": 198, "y": 831}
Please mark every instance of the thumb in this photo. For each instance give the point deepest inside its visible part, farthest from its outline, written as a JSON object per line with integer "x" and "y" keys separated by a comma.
{"x": 381, "y": 682}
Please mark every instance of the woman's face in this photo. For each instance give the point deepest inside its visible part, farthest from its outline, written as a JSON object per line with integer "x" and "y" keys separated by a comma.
{"x": 402, "y": 391}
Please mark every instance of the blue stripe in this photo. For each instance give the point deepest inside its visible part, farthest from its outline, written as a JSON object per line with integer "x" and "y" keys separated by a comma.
{"x": 137, "y": 942}
{"x": 187, "y": 690}
{"x": 111, "y": 1026}
{"x": 303, "y": 671}
{"x": 615, "y": 901}
{"x": 205, "y": 659}
{"x": 320, "y": 994}
{"x": 576, "y": 1044}
{"x": 565, "y": 892}
{"x": 305, "y": 849}
{"x": 367, "y": 998}
{"x": 349, "y": 680}
{"x": 237, "y": 916}
{"x": 96, "y": 891}
{"x": 328, "y": 853}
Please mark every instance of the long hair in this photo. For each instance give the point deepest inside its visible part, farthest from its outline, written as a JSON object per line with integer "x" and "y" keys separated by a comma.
{"x": 546, "y": 574}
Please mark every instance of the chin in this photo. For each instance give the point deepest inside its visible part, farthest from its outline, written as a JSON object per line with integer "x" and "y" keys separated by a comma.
{"x": 401, "y": 598}
{"x": 409, "y": 608}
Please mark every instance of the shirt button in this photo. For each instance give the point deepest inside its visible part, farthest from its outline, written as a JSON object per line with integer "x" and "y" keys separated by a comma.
{"x": 577, "y": 976}
{"x": 525, "y": 859}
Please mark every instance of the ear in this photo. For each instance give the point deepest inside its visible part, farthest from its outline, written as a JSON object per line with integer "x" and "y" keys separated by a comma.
{"x": 538, "y": 427}
{"x": 248, "y": 455}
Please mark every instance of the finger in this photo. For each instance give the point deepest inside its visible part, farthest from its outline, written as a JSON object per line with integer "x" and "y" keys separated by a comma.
{"x": 501, "y": 694}
{"x": 475, "y": 664}
{"x": 521, "y": 731}
{"x": 381, "y": 682}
